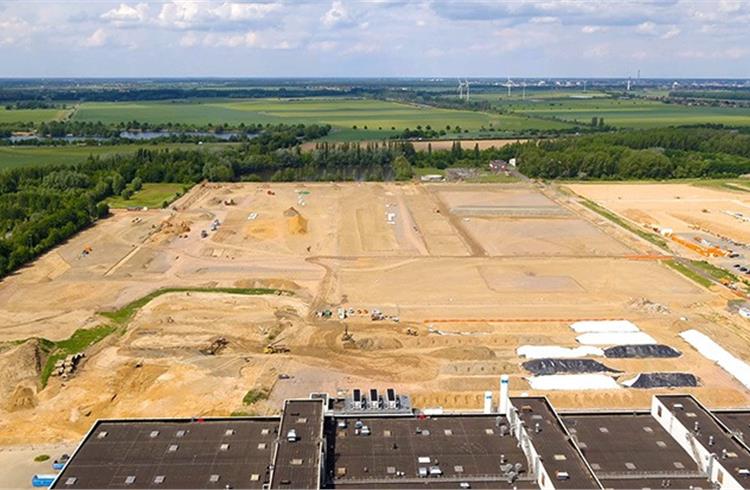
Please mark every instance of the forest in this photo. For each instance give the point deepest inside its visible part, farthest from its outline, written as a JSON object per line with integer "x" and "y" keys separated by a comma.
{"x": 699, "y": 152}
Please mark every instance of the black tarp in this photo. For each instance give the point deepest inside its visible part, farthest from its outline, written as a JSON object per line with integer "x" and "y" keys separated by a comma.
{"x": 540, "y": 367}
{"x": 641, "y": 351}
{"x": 664, "y": 380}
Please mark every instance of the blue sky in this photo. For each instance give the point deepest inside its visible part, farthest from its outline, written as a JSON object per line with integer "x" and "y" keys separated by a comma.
{"x": 470, "y": 38}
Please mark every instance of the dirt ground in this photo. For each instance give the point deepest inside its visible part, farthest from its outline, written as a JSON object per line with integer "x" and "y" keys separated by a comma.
{"x": 471, "y": 271}
{"x": 682, "y": 207}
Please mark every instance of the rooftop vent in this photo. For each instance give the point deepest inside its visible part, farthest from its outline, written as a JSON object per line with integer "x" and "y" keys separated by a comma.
{"x": 159, "y": 479}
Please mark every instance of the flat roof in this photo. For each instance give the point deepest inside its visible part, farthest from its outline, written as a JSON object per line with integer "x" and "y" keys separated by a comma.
{"x": 178, "y": 453}
{"x": 689, "y": 412}
{"x": 553, "y": 444}
{"x": 465, "y": 448}
{"x": 625, "y": 448}
{"x": 738, "y": 421}
{"x": 298, "y": 463}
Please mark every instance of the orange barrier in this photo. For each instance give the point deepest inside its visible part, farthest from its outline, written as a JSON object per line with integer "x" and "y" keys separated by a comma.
{"x": 516, "y": 320}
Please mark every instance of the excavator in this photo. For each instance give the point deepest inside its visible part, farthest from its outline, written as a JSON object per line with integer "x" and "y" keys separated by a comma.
{"x": 275, "y": 348}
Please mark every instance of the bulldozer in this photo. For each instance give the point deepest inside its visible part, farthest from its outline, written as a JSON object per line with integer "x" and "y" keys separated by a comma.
{"x": 215, "y": 347}
{"x": 346, "y": 337}
{"x": 275, "y": 348}
{"x": 411, "y": 332}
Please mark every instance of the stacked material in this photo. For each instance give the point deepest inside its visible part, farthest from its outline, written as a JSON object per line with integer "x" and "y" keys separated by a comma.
{"x": 641, "y": 351}
{"x": 662, "y": 380}
{"x": 555, "y": 366}
{"x": 610, "y": 332}
{"x": 575, "y": 382}
{"x": 555, "y": 351}
{"x": 713, "y": 351}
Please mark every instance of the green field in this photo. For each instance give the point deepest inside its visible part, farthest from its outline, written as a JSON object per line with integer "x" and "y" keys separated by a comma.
{"x": 150, "y": 196}
{"x": 30, "y": 115}
{"x": 374, "y": 119}
{"x": 622, "y": 113}
{"x": 19, "y": 156}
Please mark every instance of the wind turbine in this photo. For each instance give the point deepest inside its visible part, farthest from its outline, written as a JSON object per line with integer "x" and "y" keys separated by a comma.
{"x": 523, "y": 92}
{"x": 466, "y": 84}
{"x": 460, "y": 89}
{"x": 509, "y": 84}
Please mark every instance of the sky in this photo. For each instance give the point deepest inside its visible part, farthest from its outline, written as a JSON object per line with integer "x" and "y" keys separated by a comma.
{"x": 375, "y": 38}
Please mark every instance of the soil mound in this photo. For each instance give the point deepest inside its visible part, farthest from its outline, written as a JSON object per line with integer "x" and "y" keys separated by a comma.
{"x": 377, "y": 343}
{"x": 475, "y": 353}
{"x": 641, "y": 351}
{"x": 662, "y": 380}
{"x": 296, "y": 223}
{"x": 543, "y": 367}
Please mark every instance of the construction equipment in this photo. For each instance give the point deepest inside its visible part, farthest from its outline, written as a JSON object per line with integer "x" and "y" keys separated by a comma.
{"x": 275, "y": 348}
{"x": 411, "y": 332}
{"x": 347, "y": 338}
{"x": 215, "y": 347}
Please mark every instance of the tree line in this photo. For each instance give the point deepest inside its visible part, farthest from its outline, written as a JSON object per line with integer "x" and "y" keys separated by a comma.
{"x": 643, "y": 154}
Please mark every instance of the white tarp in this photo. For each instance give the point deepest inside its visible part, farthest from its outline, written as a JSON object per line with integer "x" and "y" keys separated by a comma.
{"x": 627, "y": 338}
{"x": 611, "y": 326}
{"x": 573, "y": 382}
{"x": 557, "y": 352}
{"x": 713, "y": 351}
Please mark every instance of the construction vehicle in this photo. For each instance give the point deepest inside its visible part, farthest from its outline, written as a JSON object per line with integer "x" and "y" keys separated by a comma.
{"x": 275, "y": 348}
{"x": 215, "y": 347}
{"x": 347, "y": 338}
{"x": 411, "y": 332}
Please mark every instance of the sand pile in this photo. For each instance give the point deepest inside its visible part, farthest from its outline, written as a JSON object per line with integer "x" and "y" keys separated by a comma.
{"x": 19, "y": 374}
{"x": 378, "y": 343}
{"x": 296, "y": 223}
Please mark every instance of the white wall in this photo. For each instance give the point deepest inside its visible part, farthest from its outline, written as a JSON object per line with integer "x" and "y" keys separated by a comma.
{"x": 684, "y": 437}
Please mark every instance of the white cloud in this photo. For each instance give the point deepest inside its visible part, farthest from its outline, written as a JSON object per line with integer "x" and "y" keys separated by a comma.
{"x": 336, "y": 16}
{"x": 324, "y": 46}
{"x": 13, "y": 30}
{"x": 188, "y": 14}
{"x": 125, "y": 14}
{"x": 218, "y": 40}
{"x": 672, "y": 31}
{"x": 592, "y": 29}
{"x": 97, "y": 39}
{"x": 647, "y": 27}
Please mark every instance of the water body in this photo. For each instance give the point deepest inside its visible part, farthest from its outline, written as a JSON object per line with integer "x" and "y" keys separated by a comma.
{"x": 135, "y": 136}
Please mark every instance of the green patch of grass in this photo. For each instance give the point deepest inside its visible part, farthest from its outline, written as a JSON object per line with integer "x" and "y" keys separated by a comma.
{"x": 689, "y": 273}
{"x": 126, "y": 313}
{"x": 655, "y": 239}
{"x": 78, "y": 342}
{"x": 716, "y": 272}
{"x": 31, "y": 115}
{"x": 150, "y": 196}
{"x": 41, "y": 458}
{"x": 488, "y": 178}
{"x": 241, "y": 413}
{"x": 21, "y": 156}
{"x": 255, "y": 395}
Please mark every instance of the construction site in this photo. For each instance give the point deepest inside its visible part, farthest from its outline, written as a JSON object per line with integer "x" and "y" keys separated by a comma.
{"x": 240, "y": 296}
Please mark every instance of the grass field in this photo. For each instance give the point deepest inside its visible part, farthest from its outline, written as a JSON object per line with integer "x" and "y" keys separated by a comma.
{"x": 30, "y": 115}
{"x": 19, "y": 156}
{"x": 623, "y": 113}
{"x": 150, "y": 196}
{"x": 373, "y": 119}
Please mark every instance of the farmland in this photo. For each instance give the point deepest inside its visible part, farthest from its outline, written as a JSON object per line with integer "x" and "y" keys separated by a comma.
{"x": 373, "y": 118}
{"x": 622, "y": 113}
{"x": 30, "y": 115}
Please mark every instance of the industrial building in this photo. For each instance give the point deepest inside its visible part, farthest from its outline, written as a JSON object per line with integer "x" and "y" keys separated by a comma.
{"x": 376, "y": 440}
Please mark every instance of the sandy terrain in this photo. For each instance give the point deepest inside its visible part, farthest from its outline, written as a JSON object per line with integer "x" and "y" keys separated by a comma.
{"x": 474, "y": 270}
{"x": 682, "y": 207}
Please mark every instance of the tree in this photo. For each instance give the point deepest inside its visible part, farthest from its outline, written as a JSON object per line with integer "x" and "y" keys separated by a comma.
{"x": 136, "y": 184}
